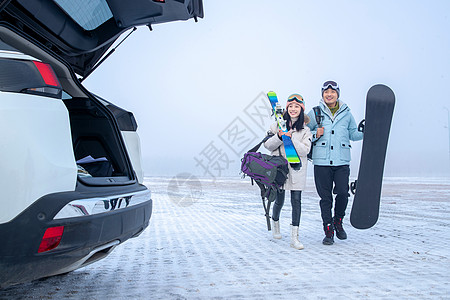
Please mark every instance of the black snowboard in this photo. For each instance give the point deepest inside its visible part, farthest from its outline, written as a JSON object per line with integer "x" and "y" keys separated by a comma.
{"x": 366, "y": 203}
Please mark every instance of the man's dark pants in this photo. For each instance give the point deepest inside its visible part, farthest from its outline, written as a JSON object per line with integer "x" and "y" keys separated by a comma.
{"x": 324, "y": 178}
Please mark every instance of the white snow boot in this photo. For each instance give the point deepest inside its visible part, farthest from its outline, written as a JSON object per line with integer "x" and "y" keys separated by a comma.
{"x": 295, "y": 243}
{"x": 276, "y": 229}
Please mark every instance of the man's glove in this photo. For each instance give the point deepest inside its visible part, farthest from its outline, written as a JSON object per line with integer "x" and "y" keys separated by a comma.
{"x": 361, "y": 125}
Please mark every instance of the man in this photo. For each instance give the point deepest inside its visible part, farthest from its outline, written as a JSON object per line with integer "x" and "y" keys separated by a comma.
{"x": 331, "y": 158}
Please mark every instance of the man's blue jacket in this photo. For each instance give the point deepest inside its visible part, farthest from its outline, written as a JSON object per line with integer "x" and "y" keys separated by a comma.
{"x": 333, "y": 148}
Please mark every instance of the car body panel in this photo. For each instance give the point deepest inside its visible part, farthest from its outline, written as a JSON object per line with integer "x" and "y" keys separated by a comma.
{"x": 133, "y": 144}
{"x": 34, "y": 150}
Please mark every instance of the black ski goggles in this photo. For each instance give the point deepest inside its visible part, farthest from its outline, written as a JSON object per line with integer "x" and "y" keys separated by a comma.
{"x": 330, "y": 83}
{"x": 296, "y": 97}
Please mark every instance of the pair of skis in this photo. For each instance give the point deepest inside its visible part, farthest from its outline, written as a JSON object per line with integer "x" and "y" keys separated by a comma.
{"x": 291, "y": 154}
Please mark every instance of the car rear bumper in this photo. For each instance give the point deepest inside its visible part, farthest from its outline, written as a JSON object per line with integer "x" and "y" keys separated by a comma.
{"x": 86, "y": 238}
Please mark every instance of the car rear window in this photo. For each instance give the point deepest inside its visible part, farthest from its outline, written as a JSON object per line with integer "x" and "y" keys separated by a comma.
{"x": 89, "y": 14}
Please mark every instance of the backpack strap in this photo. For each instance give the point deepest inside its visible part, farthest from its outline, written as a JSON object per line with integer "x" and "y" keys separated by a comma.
{"x": 254, "y": 149}
{"x": 318, "y": 117}
{"x": 265, "y": 195}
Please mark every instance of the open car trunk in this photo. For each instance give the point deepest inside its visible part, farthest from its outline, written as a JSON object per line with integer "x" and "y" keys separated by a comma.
{"x": 70, "y": 189}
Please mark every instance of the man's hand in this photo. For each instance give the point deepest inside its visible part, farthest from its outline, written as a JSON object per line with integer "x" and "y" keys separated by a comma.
{"x": 319, "y": 132}
{"x": 361, "y": 125}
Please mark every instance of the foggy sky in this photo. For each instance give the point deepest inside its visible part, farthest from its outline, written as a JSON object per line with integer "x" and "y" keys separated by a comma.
{"x": 191, "y": 84}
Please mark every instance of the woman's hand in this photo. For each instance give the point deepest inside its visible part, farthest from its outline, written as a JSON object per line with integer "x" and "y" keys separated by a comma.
{"x": 281, "y": 133}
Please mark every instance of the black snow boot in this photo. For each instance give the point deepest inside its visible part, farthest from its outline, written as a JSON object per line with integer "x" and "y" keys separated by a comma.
{"x": 329, "y": 234}
{"x": 340, "y": 232}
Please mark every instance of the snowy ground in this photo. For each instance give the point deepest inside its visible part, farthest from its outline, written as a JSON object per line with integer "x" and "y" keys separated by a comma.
{"x": 209, "y": 240}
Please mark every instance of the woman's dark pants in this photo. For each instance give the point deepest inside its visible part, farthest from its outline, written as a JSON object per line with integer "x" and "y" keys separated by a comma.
{"x": 296, "y": 197}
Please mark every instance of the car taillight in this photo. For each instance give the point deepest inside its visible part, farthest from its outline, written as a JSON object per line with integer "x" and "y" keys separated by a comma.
{"x": 47, "y": 74}
{"x": 51, "y": 87}
{"x": 31, "y": 77}
{"x": 51, "y": 238}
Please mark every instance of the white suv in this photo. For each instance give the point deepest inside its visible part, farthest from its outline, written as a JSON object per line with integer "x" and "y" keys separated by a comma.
{"x": 71, "y": 178}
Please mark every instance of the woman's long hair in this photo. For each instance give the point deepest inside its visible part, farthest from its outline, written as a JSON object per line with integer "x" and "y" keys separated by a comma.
{"x": 298, "y": 125}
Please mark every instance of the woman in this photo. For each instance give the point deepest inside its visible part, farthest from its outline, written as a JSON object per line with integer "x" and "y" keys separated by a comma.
{"x": 301, "y": 137}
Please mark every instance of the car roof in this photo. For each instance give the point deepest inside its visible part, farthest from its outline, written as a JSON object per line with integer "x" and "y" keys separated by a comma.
{"x": 81, "y": 31}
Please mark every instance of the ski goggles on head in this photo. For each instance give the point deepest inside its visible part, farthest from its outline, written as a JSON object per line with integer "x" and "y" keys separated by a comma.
{"x": 296, "y": 97}
{"x": 330, "y": 83}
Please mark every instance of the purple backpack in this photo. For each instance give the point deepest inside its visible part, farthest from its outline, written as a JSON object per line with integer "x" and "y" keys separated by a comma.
{"x": 269, "y": 172}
